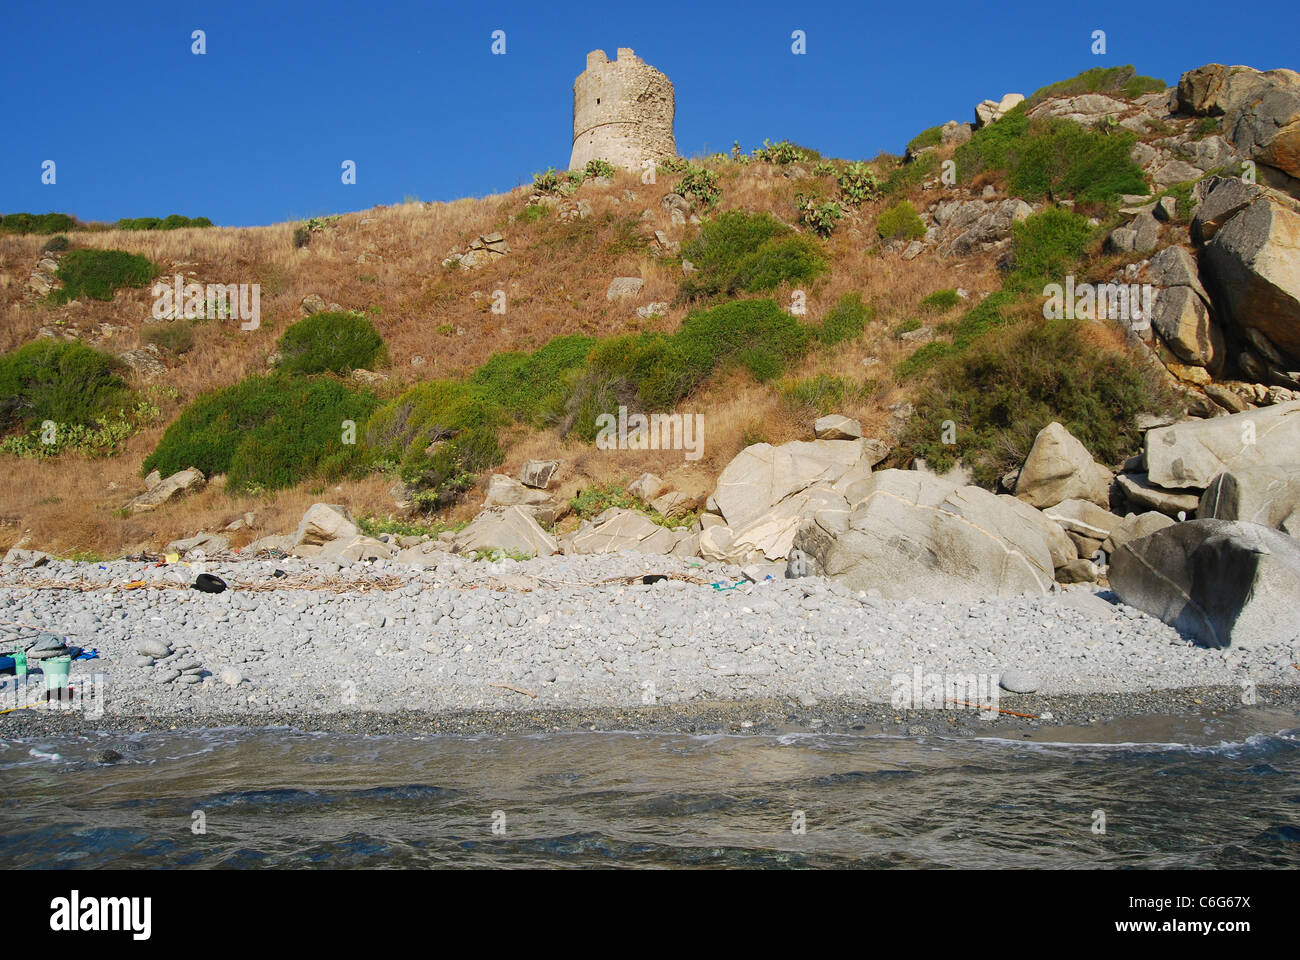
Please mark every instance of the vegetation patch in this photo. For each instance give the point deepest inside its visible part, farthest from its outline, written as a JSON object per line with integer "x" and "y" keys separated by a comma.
{"x": 70, "y": 384}
{"x": 534, "y": 387}
{"x": 1046, "y": 246}
{"x": 266, "y": 433}
{"x": 845, "y": 321}
{"x": 595, "y": 500}
{"x": 823, "y": 394}
{"x": 1003, "y": 390}
{"x": 653, "y": 371}
{"x": 176, "y": 336}
{"x": 38, "y": 223}
{"x": 930, "y": 137}
{"x": 173, "y": 222}
{"x": 738, "y": 252}
{"x": 1051, "y": 158}
{"x": 439, "y": 436}
{"x": 333, "y": 342}
{"x": 908, "y": 176}
{"x": 1114, "y": 81}
{"x": 98, "y": 274}
{"x": 900, "y": 222}
{"x": 940, "y": 301}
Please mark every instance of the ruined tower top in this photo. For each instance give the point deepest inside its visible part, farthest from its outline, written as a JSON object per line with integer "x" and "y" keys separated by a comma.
{"x": 622, "y": 112}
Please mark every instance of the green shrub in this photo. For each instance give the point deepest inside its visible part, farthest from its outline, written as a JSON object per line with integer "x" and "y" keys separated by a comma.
{"x": 595, "y": 500}
{"x": 533, "y": 387}
{"x": 56, "y": 244}
{"x": 1117, "y": 81}
{"x": 845, "y": 321}
{"x": 68, "y": 383}
{"x": 599, "y": 168}
{"x": 38, "y": 223}
{"x": 442, "y": 434}
{"x": 988, "y": 314}
{"x": 330, "y": 341}
{"x": 1046, "y": 246}
{"x": 907, "y": 176}
{"x": 940, "y": 300}
{"x": 104, "y": 439}
{"x": 1053, "y": 157}
{"x": 738, "y": 252}
{"x": 173, "y": 222}
{"x": 176, "y": 336}
{"x": 653, "y": 371}
{"x": 906, "y": 326}
{"x": 547, "y": 181}
{"x": 266, "y": 433}
{"x": 900, "y": 222}
{"x": 99, "y": 273}
{"x": 1005, "y": 389}
{"x": 930, "y": 137}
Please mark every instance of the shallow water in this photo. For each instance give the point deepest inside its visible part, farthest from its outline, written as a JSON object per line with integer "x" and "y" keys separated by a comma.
{"x": 278, "y": 798}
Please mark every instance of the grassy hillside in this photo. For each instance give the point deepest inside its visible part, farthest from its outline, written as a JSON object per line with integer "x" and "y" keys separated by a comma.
{"x": 799, "y": 304}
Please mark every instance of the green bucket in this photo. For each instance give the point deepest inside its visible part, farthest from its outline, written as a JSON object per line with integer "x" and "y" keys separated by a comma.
{"x": 56, "y": 672}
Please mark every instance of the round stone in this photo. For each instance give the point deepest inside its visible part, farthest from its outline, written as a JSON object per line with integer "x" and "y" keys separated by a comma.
{"x": 1018, "y": 681}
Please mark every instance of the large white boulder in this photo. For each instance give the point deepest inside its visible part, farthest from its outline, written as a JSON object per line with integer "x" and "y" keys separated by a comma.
{"x": 1193, "y": 453}
{"x": 1215, "y": 581}
{"x": 762, "y": 475}
{"x": 911, "y": 535}
{"x": 1060, "y": 468}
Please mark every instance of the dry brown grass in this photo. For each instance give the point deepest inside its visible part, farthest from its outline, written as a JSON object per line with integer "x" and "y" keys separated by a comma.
{"x": 555, "y": 279}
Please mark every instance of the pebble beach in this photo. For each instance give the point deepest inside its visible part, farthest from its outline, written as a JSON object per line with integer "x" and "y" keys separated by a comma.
{"x": 586, "y": 638}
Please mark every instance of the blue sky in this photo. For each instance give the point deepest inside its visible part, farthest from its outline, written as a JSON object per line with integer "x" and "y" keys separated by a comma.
{"x": 255, "y": 130}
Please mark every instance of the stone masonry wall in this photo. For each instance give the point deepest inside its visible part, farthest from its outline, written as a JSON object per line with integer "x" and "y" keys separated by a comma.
{"x": 622, "y": 112}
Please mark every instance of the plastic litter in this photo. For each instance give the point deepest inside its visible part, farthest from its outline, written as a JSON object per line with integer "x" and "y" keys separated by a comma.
{"x": 208, "y": 583}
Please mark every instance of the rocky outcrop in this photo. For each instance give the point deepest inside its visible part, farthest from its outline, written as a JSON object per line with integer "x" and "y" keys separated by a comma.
{"x": 762, "y": 475}
{"x": 1260, "y": 110}
{"x": 836, "y": 427}
{"x": 1191, "y": 454}
{"x": 504, "y": 491}
{"x": 1135, "y": 526}
{"x": 1181, "y": 310}
{"x": 1215, "y": 581}
{"x": 538, "y": 473}
{"x": 1266, "y": 494}
{"x": 1139, "y": 491}
{"x": 618, "y": 530}
{"x": 1060, "y": 468}
{"x": 909, "y": 534}
{"x": 770, "y": 535}
{"x": 483, "y": 250}
{"x": 1253, "y": 264}
{"x": 987, "y": 111}
{"x": 620, "y": 288}
{"x": 646, "y": 487}
{"x": 179, "y": 484}
{"x": 324, "y": 523}
{"x": 506, "y": 529}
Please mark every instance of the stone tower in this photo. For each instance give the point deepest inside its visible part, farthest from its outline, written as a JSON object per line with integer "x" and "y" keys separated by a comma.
{"x": 622, "y": 112}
